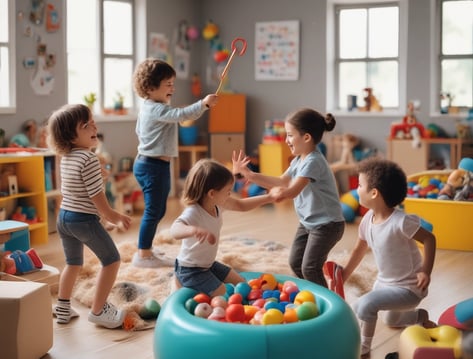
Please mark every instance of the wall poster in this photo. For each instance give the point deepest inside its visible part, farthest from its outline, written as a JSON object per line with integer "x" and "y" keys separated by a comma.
{"x": 277, "y": 50}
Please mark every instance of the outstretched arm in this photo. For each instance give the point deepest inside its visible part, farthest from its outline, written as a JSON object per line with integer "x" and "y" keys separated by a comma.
{"x": 246, "y": 204}
{"x": 180, "y": 230}
{"x": 240, "y": 167}
{"x": 357, "y": 254}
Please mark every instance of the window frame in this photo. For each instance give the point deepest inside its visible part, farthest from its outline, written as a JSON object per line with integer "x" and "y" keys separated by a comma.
{"x": 334, "y": 60}
{"x": 437, "y": 22}
{"x": 102, "y": 56}
{"x": 10, "y": 45}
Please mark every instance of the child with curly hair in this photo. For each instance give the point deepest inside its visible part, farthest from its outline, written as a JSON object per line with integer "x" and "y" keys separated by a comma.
{"x": 403, "y": 273}
{"x": 157, "y": 131}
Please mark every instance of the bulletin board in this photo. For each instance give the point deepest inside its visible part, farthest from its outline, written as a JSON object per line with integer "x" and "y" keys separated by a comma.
{"x": 277, "y": 50}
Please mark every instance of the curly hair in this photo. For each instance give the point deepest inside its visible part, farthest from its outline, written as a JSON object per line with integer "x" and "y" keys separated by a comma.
{"x": 310, "y": 121}
{"x": 149, "y": 74}
{"x": 205, "y": 175}
{"x": 62, "y": 126}
{"x": 387, "y": 177}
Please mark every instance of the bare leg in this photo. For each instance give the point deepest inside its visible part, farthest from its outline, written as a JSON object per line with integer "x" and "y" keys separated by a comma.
{"x": 67, "y": 281}
{"x": 105, "y": 281}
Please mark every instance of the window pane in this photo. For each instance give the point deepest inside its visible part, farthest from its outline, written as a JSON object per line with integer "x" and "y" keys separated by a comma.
{"x": 118, "y": 28}
{"x": 383, "y": 77}
{"x": 117, "y": 80}
{"x": 83, "y": 75}
{"x": 457, "y": 79}
{"x": 4, "y": 78}
{"x": 383, "y": 32}
{"x": 3, "y": 20}
{"x": 82, "y": 49}
{"x": 457, "y": 27}
{"x": 353, "y": 33}
{"x": 352, "y": 81}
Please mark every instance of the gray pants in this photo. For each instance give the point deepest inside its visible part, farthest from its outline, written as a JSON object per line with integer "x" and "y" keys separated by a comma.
{"x": 310, "y": 249}
{"x": 399, "y": 304}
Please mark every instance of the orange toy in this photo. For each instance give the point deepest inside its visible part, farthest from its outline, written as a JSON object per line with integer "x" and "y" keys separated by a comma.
{"x": 409, "y": 128}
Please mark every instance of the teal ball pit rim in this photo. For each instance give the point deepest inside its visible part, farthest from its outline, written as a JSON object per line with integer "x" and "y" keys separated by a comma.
{"x": 333, "y": 334}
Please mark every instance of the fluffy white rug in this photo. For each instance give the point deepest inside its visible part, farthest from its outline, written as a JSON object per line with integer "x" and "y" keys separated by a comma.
{"x": 135, "y": 285}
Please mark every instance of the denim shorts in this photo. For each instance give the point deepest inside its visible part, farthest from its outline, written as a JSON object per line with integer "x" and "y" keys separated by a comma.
{"x": 205, "y": 280}
{"x": 78, "y": 229}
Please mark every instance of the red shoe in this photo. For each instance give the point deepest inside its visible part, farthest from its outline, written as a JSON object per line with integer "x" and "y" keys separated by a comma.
{"x": 333, "y": 275}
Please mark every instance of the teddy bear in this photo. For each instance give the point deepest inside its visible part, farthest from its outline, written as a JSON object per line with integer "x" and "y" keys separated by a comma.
{"x": 459, "y": 186}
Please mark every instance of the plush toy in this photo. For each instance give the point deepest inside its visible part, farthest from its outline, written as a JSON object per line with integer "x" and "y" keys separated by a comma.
{"x": 347, "y": 160}
{"x": 371, "y": 102}
{"x": 409, "y": 128}
{"x": 459, "y": 186}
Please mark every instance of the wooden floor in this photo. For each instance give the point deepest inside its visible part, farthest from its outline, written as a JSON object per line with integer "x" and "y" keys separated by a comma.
{"x": 451, "y": 283}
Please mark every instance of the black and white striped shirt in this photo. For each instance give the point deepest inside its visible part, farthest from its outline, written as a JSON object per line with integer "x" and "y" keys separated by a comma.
{"x": 81, "y": 179}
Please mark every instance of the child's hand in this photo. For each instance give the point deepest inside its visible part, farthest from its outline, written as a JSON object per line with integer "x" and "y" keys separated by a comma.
{"x": 210, "y": 100}
{"x": 240, "y": 163}
{"x": 203, "y": 235}
{"x": 423, "y": 280}
{"x": 276, "y": 194}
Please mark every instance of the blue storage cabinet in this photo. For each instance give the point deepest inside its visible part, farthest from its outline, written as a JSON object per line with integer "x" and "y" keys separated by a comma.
{"x": 15, "y": 234}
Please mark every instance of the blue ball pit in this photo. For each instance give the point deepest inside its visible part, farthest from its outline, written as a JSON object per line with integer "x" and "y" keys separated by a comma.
{"x": 333, "y": 334}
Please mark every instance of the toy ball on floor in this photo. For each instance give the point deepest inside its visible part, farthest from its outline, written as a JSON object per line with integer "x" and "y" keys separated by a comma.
{"x": 150, "y": 309}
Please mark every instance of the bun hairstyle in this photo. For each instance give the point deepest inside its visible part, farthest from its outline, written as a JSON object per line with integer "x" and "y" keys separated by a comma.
{"x": 310, "y": 121}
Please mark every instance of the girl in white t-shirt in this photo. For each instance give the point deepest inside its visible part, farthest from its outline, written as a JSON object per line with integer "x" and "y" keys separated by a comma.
{"x": 391, "y": 234}
{"x": 207, "y": 192}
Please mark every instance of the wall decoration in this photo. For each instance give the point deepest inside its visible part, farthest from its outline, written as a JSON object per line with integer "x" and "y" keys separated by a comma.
{"x": 42, "y": 81}
{"x": 277, "y": 50}
{"x": 37, "y": 11}
{"x": 159, "y": 46}
{"x": 52, "y": 18}
{"x": 181, "y": 62}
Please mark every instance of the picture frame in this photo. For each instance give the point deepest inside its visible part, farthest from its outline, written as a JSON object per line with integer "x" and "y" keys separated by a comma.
{"x": 12, "y": 185}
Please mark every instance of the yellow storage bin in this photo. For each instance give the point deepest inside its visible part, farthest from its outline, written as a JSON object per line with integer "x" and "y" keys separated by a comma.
{"x": 452, "y": 220}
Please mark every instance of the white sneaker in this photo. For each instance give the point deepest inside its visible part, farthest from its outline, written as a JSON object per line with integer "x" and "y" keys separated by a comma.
{"x": 64, "y": 319}
{"x": 153, "y": 261}
{"x": 110, "y": 317}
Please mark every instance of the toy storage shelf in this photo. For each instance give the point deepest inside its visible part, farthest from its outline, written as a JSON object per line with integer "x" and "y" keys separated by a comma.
{"x": 30, "y": 175}
{"x": 416, "y": 159}
{"x": 274, "y": 158}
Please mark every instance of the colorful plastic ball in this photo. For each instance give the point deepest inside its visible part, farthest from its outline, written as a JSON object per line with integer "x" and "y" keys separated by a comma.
{"x": 190, "y": 305}
{"x": 304, "y": 296}
{"x": 243, "y": 288}
{"x": 235, "y": 298}
{"x": 219, "y": 301}
{"x": 218, "y": 313}
{"x": 290, "y": 315}
{"x": 272, "y": 316}
{"x": 255, "y": 294}
{"x": 271, "y": 305}
{"x": 235, "y": 313}
{"x": 230, "y": 288}
{"x": 192, "y": 33}
{"x": 250, "y": 311}
{"x": 202, "y": 298}
{"x": 307, "y": 310}
{"x": 268, "y": 281}
{"x": 259, "y": 303}
{"x": 150, "y": 309}
{"x": 289, "y": 287}
{"x": 203, "y": 310}
{"x": 348, "y": 213}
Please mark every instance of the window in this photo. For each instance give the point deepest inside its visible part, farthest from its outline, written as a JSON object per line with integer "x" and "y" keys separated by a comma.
{"x": 456, "y": 54}
{"x": 368, "y": 53}
{"x": 7, "y": 58}
{"x": 100, "y": 51}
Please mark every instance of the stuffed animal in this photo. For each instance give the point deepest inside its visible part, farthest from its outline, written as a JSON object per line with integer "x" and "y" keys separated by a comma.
{"x": 459, "y": 186}
{"x": 409, "y": 128}
{"x": 347, "y": 160}
{"x": 371, "y": 102}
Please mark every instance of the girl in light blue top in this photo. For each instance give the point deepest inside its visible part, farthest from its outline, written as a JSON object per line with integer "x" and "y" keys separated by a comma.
{"x": 310, "y": 182}
{"x": 157, "y": 131}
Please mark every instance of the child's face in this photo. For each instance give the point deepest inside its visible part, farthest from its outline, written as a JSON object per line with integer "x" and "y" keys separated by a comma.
{"x": 297, "y": 143}
{"x": 222, "y": 195}
{"x": 363, "y": 191}
{"x": 164, "y": 92}
{"x": 86, "y": 135}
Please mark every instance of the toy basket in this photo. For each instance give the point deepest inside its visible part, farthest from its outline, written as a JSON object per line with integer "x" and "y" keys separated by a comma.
{"x": 451, "y": 220}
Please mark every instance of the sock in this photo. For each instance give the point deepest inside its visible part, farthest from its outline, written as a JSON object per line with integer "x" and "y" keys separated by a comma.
{"x": 367, "y": 333}
{"x": 63, "y": 311}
